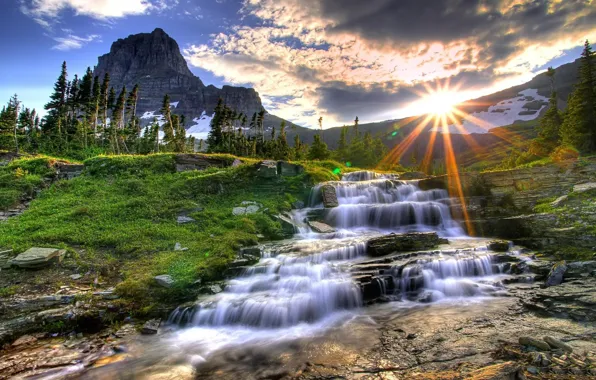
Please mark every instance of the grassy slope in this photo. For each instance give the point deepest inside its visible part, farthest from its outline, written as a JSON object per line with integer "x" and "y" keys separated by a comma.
{"x": 123, "y": 212}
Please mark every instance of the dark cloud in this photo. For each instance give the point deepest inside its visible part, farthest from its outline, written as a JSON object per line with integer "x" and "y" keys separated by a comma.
{"x": 383, "y": 99}
{"x": 487, "y": 23}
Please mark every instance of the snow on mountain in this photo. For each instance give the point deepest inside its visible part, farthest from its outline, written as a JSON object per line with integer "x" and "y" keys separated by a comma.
{"x": 174, "y": 104}
{"x": 201, "y": 128}
{"x": 151, "y": 114}
{"x": 526, "y": 106}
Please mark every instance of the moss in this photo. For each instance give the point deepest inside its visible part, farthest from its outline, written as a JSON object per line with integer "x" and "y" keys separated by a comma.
{"x": 8, "y": 291}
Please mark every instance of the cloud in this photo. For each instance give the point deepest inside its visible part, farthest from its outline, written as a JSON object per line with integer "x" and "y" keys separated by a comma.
{"x": 46, "y": 12}
{"x": 334, "y": 57}
{"x": 71, "y": 42}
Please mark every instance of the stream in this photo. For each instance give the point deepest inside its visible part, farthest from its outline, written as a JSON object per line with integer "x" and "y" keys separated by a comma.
{"x": 301, "y": 307}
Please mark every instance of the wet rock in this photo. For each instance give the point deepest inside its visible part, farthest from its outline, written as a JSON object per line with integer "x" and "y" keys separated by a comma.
{"x": 412, "y": 175}
{"x": 387, "y": 244}
{"x": 533, "y": 370}
{"x": 320, "y": 227}
{"x": 559, "y": 201}
{"x": 298, "y": 205}
{"x": 286, "y": 169}
{"x": 539, "y": 359}
{"x": 182, "y": 219}
{"x": 164, "y": 280}
{"x": 107, "y": 294}
{"x": 555, "y": 276}
{"x": 38, "y": 257}
{"x": 250, "y": 252}
{"x": 267, "y": 169}
{"x": 555, "y": 343}
{"x": 215, "y": 288}
{"x": 287, "y": 225}
{"x": 329, "y": 196}
{"x": 581, "y": 269}
{"x": 498, "y": 245}
{"x": 151, "y": 327}
{"x": 537, "y": 343}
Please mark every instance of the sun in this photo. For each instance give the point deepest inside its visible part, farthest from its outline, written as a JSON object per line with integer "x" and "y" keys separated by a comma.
{"x": 440, "y": 102}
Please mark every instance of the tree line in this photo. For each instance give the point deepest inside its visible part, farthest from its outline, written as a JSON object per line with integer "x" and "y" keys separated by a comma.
{"x": 573, "y": 129}
{"x": 85, "y": 117}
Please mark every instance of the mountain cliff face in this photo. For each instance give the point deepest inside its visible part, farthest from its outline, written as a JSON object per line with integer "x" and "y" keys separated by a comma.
{"x": 153, "y": 61}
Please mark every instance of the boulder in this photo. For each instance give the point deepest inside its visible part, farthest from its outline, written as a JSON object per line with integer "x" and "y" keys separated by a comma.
{"x": 190, "y": 161}
{"x": 329, "y": 196}
{"x": 179, "y": 247}
{"x": 555, "y": 343}
{"x": 286, "y": 169}
{"x": 65, "y": 170}
{"x": 387, "y": 244}
{"x": 498, "y": 245}
{"x": 537, "y": 343}
{"x": 164, "y": 280}
{"x": 236, "y": 163}
{"x": 5, "y": 259}
{"x": 151, "y": 327}
{"x": 320, "y": 227}
{"x": 287, "y": 225}
{"x": 38, "y": 257}
{"x": 25, "y": 339}
{"x": 555, "y": 276}
{"x": 267, "y": 169}
{"x": 247, "y": 208}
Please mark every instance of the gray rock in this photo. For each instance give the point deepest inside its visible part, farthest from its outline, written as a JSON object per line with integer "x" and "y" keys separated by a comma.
{"x": 179, "y": 247}
{"x": 215, "y": 288}
{"x": 164, "y": 280}
{"x": 412, "y": 175}
{"x": 107, "y": 294}
{"x": 298, "y": 205}
{"x": 38, "y": 257}
{"x": 287, "y": 225}
{"x": 329, "y": 196}
{"x": 75, "y": 276}
{"x": 555, "y": 276}
{"x": 498, "y": 245}
{"x": 182, "y": 219}
{"x": 387, "y": 244}
{"x": 287, "y": 169}
{"x": 533, "y": 370}
{"x": 320, "y": 227}
{"x": 151, "y": 327}
{"x": 584, "y": 187}
{"x": 537, "y": 343}
{"x": 267, "y": 169}
{"x": 5, "y": 259}
{"x": 555, "y": 343}
{"x": 247, "y": 208}
{"x": 559, "y": 201}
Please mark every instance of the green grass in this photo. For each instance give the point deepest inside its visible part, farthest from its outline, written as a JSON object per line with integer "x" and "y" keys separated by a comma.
{"x": 123, "y": 211}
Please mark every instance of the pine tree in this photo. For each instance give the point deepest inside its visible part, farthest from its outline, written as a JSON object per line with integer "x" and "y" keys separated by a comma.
{"x": 215, "y": 136}
{"x": 117, "y": 120}
{"x": 318, "y": 150}
{"x": 168, "y": 127}
{"x": 95, "y": 101}
{"x": 579, "y": 125}
{"x": 103, "y": 103}
{"x": 549, "y": 127}
{"x": 56, "y": 107}
{"x": 341, "y": 153}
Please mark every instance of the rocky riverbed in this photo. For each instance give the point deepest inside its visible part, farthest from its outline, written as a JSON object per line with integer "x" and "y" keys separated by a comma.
{"x": 475, "y": 337}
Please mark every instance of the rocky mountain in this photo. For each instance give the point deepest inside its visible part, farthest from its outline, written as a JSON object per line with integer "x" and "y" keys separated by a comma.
{"x": 154, "y": 62}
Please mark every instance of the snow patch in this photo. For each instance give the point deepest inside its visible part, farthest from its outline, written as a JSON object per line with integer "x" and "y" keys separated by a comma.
{"x": 504, "y": 113}
{"x": 201, "y": 128}
{"x": 174, "y": 104}
{"x": 151, "y": 114}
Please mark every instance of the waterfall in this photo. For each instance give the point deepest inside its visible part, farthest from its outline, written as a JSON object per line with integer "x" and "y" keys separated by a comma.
{"x": 308, "y": 278}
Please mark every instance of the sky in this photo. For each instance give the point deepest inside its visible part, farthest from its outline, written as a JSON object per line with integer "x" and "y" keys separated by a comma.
{"x": 336, "y": 59}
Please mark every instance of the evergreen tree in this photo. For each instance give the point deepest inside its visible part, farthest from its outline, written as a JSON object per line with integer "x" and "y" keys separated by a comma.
{"x": 56, "y": 107}
{"x": 341, "y": 153}
{"x": 318, "y": 150}
{"x": 579, "y": 125}
{"x": 95, "y": 101}
{"x": 215, "y": 136}
{"x": 549, "y": 127}
{"x": 103, "y": 103}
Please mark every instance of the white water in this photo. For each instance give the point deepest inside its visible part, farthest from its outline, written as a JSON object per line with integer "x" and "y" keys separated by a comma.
{"x": 304, "y": 286}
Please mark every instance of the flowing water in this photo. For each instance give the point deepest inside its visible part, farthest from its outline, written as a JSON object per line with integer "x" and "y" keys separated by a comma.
{"x": 309, "y": 284}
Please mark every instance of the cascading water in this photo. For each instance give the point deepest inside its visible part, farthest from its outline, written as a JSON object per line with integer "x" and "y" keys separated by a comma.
{"x": 313, "y": 278}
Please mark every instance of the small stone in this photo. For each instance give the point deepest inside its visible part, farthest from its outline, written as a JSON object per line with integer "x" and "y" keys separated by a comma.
{"x": 533, "y": 370}
{"x": 214, "y": 289}
{"x": 555, "y": 343}
{"x": 411, "y": 336}
{"x": 75, "y": 276}
{"x": 164, "y": 280}
{"x": 559, "y": 201}
{"x": 178, "y": 247}
{"x": 184, "y": 219}
{"x": 25, "y": 339}
{"x": 151, "y": 326}
{"x": 537, "y": 343}
{"x": 236, "y": 163}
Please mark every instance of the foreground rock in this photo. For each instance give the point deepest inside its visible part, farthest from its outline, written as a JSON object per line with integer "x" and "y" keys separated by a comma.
{"x": 38, "y": 257}
{"x": 555, "y": 276}
{"x": 498, "y": 245}
{"x": 320, "y": 227}
{"x": 387, "y": 244}
{"x": 164, "y": 280}
{"x": 151, "y": 327}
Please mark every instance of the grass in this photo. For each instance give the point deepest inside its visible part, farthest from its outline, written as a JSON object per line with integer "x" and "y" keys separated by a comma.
{"x": 123, "y": 211}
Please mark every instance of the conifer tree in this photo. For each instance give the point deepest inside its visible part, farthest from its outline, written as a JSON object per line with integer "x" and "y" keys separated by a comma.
{"x": 318, "y": 150}
{"x": 103, "y": 104}
{"x": 579, "y": 125}
{"x": 95, "y": 101}
{"x": 56, "y": 107}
